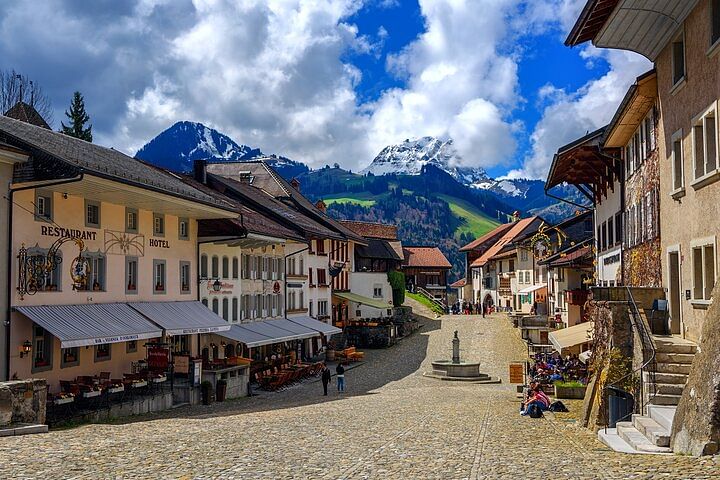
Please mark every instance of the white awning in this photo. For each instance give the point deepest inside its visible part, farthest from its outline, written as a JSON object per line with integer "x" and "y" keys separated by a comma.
{"x": 571, "y": 336}
{"x": 248, "y": 337}
{"x": 182, "y": 318}
{"x": 91, "y": 324}
{"x": 300, "y": 331}
{"x": 322, "y": 327}
{"x": 532, "y": 288}
{"x": 273, "y": 333}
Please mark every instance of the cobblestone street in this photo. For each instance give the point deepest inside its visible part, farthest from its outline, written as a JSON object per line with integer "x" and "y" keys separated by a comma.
{"x": 391, "y": 423}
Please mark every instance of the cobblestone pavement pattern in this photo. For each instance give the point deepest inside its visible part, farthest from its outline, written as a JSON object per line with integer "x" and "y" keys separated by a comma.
{"x": 391, "y": 423}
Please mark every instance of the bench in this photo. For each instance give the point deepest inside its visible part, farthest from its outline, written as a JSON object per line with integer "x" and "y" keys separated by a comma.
{"x": 352, "y": 355}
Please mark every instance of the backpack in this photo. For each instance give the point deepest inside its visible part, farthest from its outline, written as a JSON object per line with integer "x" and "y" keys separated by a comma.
{"x": 534, "y": 411}
{"x": 558, "y": 406}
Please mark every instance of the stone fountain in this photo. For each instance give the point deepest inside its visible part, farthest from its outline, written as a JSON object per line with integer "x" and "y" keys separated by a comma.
{"x": 456, "y": 369}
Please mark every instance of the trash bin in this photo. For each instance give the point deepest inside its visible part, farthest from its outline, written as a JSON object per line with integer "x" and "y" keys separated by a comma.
{"x": 620, "y": 406}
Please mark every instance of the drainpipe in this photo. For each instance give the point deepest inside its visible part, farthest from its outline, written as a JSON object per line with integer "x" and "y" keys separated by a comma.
{"x": 8, "y": 291}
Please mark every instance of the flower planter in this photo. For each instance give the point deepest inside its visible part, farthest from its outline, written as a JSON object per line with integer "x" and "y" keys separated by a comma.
{"x": 63, "y": 401}
{"x": 140, "y": 384}
{"x": 91, "y": 394}
{"x": 118, "y": 389}
{"x": 569, "y": 393}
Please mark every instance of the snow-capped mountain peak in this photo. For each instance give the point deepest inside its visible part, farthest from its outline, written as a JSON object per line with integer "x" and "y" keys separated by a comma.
{"x": 410, "y": 156}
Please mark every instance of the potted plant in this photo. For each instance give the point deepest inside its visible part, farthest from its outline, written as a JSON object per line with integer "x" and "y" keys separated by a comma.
{"x": 573, "y": 390}
{"x": 206, "y": 390}
{"x": 221, "y": 390}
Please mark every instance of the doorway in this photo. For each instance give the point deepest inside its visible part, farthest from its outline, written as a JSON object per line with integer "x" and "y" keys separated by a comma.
{"x": 675, "y": 290}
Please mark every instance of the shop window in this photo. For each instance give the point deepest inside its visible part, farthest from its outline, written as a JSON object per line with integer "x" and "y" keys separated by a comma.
{"x": 131, "y": 273}
{"x": 235, "y": 268}
{"x": 102, "y": 352}
{"x": 704, "y": 140}
{"x": 183, "y": 228}
{"x": 69, "y": 357}
{"x": 92, "y": 214}
{"x": 677, "y": 162}
{"x": 203, "y": 266}
{"x": 215, "y": 266}
{"x": 97, "y": 275}
{"x": 131, "y": 346}
{"x": 43, "y": 206}
{"x": 225, "y": 267}
{"x": 159, "y": 276}
{"x": 184, "y": 277}
{"x": 235, "y": 309}
{"x": 215, "y": 306}
{"x": 42, "y": 349}
{"x": 131, "y": 220}
{"x": 715, "y": 21}
{"x": 158, "y": 224}
{"x": 181, "y": 344}
{"x": 703, "y": 263}
{"x": 678, "y": 58}
{"x": 225, "y": 309}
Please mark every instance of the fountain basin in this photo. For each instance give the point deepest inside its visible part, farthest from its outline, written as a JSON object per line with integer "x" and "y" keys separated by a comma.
{"x": 461, "y": 369}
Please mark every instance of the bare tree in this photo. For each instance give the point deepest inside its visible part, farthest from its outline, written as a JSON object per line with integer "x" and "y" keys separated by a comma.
{"x": 15, "y": 87}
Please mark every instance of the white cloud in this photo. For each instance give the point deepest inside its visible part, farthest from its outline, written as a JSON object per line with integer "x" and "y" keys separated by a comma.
{"x": 569, "y": 115}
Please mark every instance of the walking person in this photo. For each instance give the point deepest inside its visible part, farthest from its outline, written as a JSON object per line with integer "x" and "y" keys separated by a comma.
{"x": 326, "y": 377}
{"x": 340, "y": 371}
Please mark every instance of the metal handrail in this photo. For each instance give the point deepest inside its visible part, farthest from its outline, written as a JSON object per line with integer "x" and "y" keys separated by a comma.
{"x": 648, "y": 348}
{"x": 427, "y": 295}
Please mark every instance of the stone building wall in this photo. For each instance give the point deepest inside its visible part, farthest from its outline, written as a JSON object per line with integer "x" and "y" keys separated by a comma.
{"x": 23, "y": 401}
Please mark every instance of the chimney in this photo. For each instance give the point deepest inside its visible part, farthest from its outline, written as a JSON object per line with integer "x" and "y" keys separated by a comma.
{"x": 320, "y": 205}
{"x": 295, "y": 184}
{"x": 200, "y": 171}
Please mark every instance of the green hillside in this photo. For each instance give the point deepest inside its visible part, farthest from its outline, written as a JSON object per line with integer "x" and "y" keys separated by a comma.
{"x": 476, "y": 224}
{"x": 364, "y": 199}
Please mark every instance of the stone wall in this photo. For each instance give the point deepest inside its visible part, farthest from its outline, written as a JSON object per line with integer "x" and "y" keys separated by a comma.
{"x": 23, "y": 401}
{"x": 696, "y": 427}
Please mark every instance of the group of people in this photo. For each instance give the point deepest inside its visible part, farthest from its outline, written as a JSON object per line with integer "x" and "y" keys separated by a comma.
{"x": 468, "y": 308}
{"x": 326, "y": 377}
{"x": 549, "y": 368}
{"x": 535, "y": 401}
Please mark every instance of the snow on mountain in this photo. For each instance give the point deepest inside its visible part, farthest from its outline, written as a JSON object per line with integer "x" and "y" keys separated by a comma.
{"x": 184, "y": 142}
{"x": 410, "y": 156}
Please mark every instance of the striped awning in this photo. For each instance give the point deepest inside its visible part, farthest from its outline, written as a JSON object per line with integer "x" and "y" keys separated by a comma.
{"x": 91, "y": 324}
{"x": 246, "y": 336}
{"x": 182, "y": 318}
{"x": 300, "y": 331}
{"x": 322, "y": 327}
{"x": 267, "y": 332}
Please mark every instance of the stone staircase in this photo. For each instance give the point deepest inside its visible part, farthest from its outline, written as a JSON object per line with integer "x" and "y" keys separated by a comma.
{"x": 650, "y": 433}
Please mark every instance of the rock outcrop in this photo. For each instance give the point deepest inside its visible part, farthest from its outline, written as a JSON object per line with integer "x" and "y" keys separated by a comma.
{"x": 696, "y": 427}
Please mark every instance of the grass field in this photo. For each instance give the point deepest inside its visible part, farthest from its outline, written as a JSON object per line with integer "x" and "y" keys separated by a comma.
{"x": 477, "y": 222}
{"x": 419, "y": 298}
{"x": 364, "y": 199}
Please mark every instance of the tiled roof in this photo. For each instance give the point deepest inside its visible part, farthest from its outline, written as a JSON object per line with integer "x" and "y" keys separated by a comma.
{"x": 372, "y": 229}
{"x": 460, "y": 283}
{"x": 53, "y": 151}
{"x": 270, "y": 206}
{"x": 27, "y": 113}
{"x": 377, "y": 248}
{"x": 425, "y": 257}
{"x": 517, "y": 229}
{"x": 499, "y": 230}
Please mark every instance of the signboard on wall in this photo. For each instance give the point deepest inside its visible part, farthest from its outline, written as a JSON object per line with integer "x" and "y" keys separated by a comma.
{"x": 182, "y": 364}
{"x": 157, "y": 358}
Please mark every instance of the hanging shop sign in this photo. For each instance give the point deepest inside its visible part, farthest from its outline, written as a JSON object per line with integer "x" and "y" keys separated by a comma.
{"x": 542, "y": 245}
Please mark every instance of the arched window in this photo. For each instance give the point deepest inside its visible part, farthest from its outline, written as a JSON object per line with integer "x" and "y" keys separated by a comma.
{"x": 229, "y": 350}
{"x": 214, "y": 266}
{"x": 235, "y": 309}
{"x": 225, "y": 311}
{"x": 215, "y": 305}
{"x": 225, "y": 267}
{"x": 203, "y": 266}
{"x": 235, "y": 267}
{"x": 205, "y": 302}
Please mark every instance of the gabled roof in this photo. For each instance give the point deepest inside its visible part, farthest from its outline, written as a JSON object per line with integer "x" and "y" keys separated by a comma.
{"x": 496, "y": 232}
{"x": 56, "y": 155}
{"x": 266, "y": 178}
{"x": 517, "y": 229}
{"x": 372, "y": 229}
{"x": 460, "y": 283}
{"x": 425, "y": 257}
{"x": 377, "y": 248}
{"x": 271, "y": 207}
{"x": 28, "y": 114}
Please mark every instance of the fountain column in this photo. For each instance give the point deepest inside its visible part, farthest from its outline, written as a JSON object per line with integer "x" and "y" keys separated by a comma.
{"x": 456, "y": 348}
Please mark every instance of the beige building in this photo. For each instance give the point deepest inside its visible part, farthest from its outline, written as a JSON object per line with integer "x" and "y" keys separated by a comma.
{"x": 104, "y": 259}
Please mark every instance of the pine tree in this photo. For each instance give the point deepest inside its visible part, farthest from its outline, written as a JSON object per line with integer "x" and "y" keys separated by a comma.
{"x": 78, "y": 118}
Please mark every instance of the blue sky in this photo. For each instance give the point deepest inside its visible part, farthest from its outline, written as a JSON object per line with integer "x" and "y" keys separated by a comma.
{"x": 326, "y": 81}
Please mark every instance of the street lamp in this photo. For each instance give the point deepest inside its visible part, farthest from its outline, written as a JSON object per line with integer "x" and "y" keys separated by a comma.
{"x": 217, "y": 285}
{"x": 25, "y": 348}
